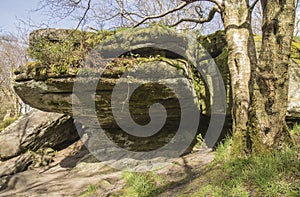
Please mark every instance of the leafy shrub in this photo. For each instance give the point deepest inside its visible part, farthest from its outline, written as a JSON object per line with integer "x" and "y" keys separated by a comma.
{"x": 63, "y": 53}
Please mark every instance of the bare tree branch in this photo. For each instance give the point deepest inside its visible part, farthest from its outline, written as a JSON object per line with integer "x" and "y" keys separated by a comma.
{"x": 201, "y": 20}
{"x": 219, "y": 3}
{"x": 179, "y": 7}
{"x": 199, "y": 11}
{"x": 135, "y": 14}
{"x": 75, "y": 2}
{"x": 110, "y": 18}
{"x": 84, "y": 14}
{"x": 124, "y": 13}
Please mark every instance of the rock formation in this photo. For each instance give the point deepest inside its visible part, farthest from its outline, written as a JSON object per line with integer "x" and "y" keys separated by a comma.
{"x": 31, "y": 133}
{"x": 41, "y": 87}
{"x": 48, "y": 83}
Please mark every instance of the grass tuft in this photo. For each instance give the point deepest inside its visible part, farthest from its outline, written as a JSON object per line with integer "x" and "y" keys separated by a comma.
{"x": 7, "y": 122}
{"x": 142, "y": 184}
{"x": 91, "y": 190}
{"x": 295, "y": 130}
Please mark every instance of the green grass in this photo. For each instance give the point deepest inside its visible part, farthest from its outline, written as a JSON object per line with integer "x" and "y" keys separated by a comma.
{"x": 199, "y": 142}
{"x": 7, "y": 122}
{"x": 223, "y": 151}
{"x": 274, "y": 174}
{"x": 141, "y": 184}
{"x": 91, "y": 189}
{"x": 295, "y": 130}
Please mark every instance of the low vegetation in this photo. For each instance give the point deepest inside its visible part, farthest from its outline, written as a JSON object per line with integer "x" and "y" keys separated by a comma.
{"x": 295, "y": 130}
{"x": 272, "y": 174}
{"x": 276, "y": 174}
{"x": 7, "y": 122}
{"x": 91, "y": 190}
{"x": 142, "y": 184}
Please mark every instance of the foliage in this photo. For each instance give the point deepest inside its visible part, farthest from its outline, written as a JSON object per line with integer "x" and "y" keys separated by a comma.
{"x": 64, "y": 56}
{"x": 296, "y": 50}
{"x": 142, "y": 184}
{"x": 7, "y": 122}
{"x": 12, "y": 55}
{"x": 296, "y": 129}
{"x": 93, "y": 39}
{"x": 90, "y": 191}
{"x": 223, "y": 151}
{"x": 274, "y": 174}
{"x": 200, "y": 141}
{"x": 58, "y": 55}
{"x": 61, "y": 53}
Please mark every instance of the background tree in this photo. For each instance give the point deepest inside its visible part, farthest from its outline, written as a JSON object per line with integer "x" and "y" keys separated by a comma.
{"x": 12, "y": 55}
{"x": 125, "y": 13}
{"x": 258, "y": 16}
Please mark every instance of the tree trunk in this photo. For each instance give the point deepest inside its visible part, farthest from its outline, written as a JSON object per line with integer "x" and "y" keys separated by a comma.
{"x": 241, "y": 61}
{"x": 267, "y": 125}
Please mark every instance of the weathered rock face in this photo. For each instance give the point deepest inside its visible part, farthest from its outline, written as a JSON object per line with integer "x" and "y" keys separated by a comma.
{"x": 55, "y": 94}
{"x": 15, "y": 165}
{"x": 54, "y": 35}
{"x": 36, "y": 130}
{"x": 39, "y": 86}
{"x": 214, "y": 43}
{"x": 53, "y": 80}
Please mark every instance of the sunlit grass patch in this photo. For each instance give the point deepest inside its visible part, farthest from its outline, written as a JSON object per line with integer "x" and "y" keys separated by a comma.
{"x": 142, "y": 184}
{"x": 273, "y": 174}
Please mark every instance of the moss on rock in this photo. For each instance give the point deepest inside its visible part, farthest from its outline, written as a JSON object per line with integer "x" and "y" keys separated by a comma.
{"x": 61, "y": 53}
{"x": 214, "y": 43}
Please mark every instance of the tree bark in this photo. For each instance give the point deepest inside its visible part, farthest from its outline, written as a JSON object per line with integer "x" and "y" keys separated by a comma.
{"x": 241, "y": 62}
{"x": 267, "y": 124}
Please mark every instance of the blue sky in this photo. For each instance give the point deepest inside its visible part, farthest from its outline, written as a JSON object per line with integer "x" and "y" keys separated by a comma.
{"x": 12, "y": 10}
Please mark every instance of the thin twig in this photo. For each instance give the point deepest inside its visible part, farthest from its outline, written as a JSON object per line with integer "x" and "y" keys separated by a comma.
{"x": 84, "y": 14}
{"x": 124, "y": 13}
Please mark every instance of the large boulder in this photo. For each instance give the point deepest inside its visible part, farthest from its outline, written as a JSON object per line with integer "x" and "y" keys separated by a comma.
{"x": 55, "y": 95}
{"x": 35, "y": 130}
{"x": 42, "y": 87}
{"x": 56, "y": 78}
{"x": 15, "y": 165}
